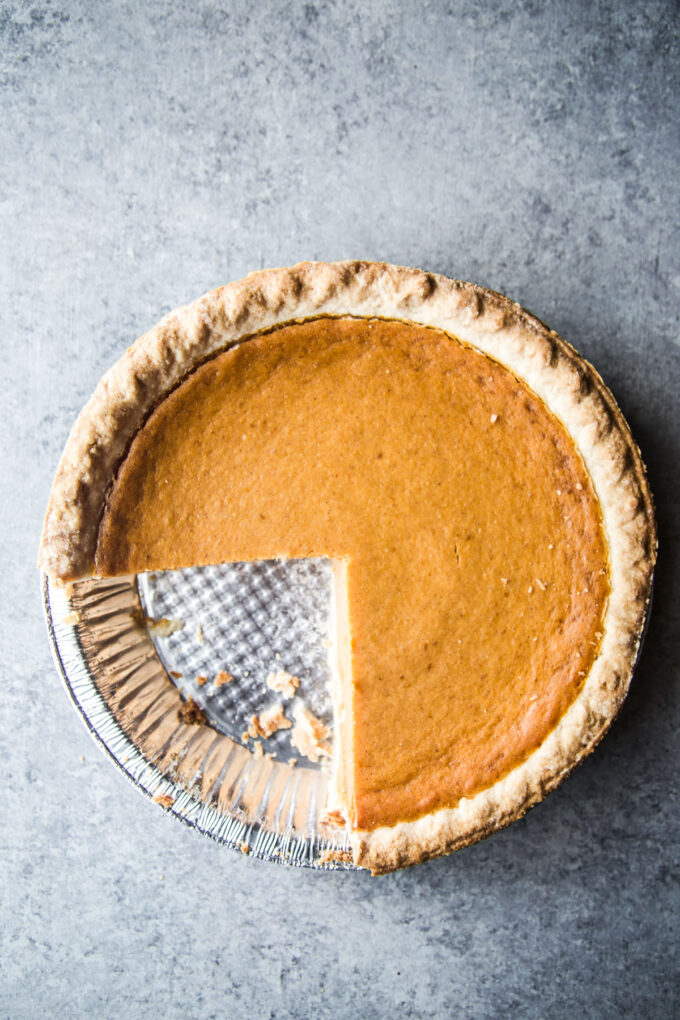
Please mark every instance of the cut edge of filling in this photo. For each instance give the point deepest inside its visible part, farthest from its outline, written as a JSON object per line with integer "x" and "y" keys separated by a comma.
{"x": 340, "y": 801}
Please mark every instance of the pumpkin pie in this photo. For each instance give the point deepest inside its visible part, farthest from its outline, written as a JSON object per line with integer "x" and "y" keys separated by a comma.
{"x": 473, "y": 481}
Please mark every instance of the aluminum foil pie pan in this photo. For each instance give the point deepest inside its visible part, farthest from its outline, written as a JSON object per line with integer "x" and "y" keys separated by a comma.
{"x": 131, "y": 683}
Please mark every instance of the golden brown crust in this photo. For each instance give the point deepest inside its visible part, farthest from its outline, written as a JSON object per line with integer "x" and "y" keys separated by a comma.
{"x": 569, "y": 386}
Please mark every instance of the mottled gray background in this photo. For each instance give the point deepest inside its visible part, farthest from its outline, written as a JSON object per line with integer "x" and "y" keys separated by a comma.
{"x": 149, "y": 152}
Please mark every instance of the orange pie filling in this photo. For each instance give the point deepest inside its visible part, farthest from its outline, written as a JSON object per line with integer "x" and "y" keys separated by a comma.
{"x": 472, "y": 573}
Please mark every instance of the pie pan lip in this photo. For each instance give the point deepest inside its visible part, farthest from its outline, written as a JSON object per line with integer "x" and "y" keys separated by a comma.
{"x": 78, "y": 677}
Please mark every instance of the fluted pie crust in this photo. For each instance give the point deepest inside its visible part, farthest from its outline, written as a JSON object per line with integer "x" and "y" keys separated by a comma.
{"x": 129, "y": 412}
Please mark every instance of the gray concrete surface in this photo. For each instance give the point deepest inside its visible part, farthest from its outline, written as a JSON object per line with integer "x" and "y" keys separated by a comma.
{"x": 151, "y": 151}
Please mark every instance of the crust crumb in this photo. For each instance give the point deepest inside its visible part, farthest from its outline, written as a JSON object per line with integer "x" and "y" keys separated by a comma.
{"x": 176, "y": 675}
{"x": 257, "y": 750}
{"x": 333, "y": 855}
{"x": 223, "y": 678}
{"x": 283, "y": 683}
{"x": 190, "y": 713}
{"x": 309, "y": 734}
{"x": 333, "y": 817}
{"x": 201, "y": 680}
{"x": 163, "y": 627}
{"x": 164, "y": 799}
{"x": 268, "y": 722}
{"x": 244, "y": 848}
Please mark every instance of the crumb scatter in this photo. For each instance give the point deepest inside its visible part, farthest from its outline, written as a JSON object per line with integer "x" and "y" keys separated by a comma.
{"x": 309, "y": 735}
{"x": 163, "y": 627}
{"x": 283, "y": 683}
{"x": 333, "y": 855}
{"x": 191, "y": 714}
{"x": 269, "y": 721}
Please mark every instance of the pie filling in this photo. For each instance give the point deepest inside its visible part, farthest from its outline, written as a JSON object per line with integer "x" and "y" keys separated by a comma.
{"x": 471, "y": 563}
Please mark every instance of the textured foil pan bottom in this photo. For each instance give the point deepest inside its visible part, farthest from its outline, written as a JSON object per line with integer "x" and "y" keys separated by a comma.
{"x": 129, "y": 683}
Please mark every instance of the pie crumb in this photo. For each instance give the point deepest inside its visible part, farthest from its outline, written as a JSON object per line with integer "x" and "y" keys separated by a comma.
{"x": 164, "y": 799}
{"x": 176, "y": 675}
{"x": 269, "y": 721}
{"x": 283, "y": 683}
{"x": 257, "y": 749}
{"x": 332, "y": 855}
{"x": 223, "y": 678}
{"x": 190, "y": 713}
{"x": 309, "y": 734}
{"x": 245, "y": 848}
{"x": 333, "y": 817}
{"x": 163, "y": 627}
{"x": 201, "y": 680}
